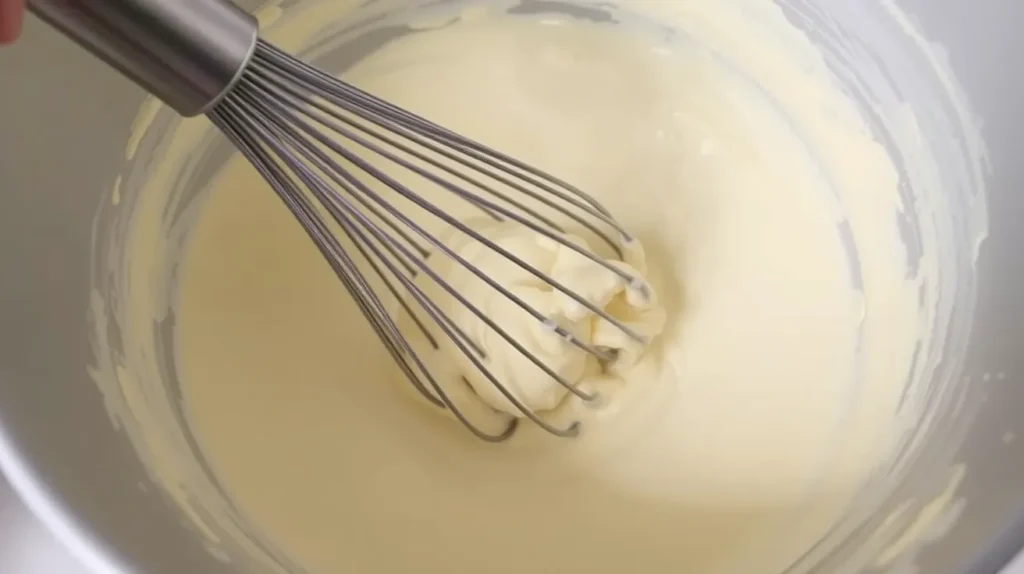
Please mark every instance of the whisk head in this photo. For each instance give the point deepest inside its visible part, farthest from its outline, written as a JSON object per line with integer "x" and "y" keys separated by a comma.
{"x": 342, "y": 161}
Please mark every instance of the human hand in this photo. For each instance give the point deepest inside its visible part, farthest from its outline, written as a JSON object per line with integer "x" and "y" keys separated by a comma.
{"x": 11, "y": 14}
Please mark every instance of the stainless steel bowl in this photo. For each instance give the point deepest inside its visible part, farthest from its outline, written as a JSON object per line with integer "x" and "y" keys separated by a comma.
{"x": 64, "y": 121}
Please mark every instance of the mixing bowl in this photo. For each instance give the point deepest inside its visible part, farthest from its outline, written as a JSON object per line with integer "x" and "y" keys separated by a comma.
{"x": 953, "y": 503}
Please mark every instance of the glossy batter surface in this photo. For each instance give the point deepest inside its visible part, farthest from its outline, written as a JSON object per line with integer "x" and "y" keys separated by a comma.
{"x": 731, "y": 446}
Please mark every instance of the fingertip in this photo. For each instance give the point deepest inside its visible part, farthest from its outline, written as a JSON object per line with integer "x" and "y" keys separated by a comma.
{"x": 8, "y": 36}
{"x": 12, "y": 14}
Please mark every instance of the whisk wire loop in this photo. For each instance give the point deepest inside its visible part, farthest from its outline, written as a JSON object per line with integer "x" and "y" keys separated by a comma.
{"x": 311, "y": 137}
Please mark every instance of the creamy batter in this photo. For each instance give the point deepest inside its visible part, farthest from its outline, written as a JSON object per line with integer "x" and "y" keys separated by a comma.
{"x": 783, "y": 318}
{"x": 724, "y": 436}
{"x": 591, "y": 352}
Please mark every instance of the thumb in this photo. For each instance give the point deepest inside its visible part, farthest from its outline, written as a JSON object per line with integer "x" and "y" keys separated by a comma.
{"x": 11, "y": 14}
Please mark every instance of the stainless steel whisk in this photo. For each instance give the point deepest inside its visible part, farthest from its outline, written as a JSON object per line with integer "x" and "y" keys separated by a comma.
{"x": 287, "y": 117}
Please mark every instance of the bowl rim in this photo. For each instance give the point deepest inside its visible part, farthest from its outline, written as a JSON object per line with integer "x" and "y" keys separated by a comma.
{"x": 57, "y": 517}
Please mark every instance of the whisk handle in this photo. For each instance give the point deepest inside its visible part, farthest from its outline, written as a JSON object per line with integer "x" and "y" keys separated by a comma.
{"x": 186, "y": 52}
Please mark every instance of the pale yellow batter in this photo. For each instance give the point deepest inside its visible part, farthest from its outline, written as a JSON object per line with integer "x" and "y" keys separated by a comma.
{"x": 766, "y": 211}
{"x": 634, "y": 319}
{"x": 731, "y": 435}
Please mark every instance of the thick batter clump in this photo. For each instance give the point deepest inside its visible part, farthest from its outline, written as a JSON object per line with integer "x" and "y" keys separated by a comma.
{"x": 788, "y": 320}
{"x": 589, "y": 351}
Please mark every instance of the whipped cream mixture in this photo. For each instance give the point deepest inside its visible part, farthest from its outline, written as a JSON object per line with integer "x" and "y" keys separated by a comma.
{"x": 733, "y": 429}
{"x": 602, "y": 353}
{"x": 783, "y": 307}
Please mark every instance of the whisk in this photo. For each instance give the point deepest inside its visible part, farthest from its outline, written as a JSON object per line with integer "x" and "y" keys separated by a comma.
{"x": 330, "y": 151}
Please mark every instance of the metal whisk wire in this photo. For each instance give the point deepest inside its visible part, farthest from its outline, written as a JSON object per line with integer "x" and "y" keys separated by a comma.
{"x": 287, "y": 119}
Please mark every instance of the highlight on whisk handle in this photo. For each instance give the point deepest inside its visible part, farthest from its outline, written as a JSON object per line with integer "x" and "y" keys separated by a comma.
{"x": 188, "y": 53}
